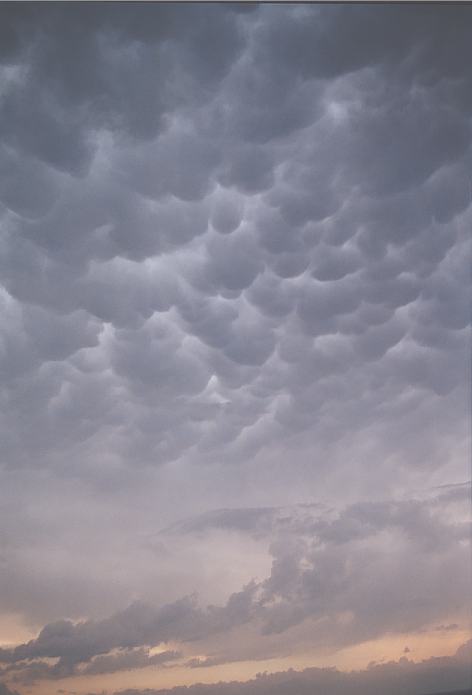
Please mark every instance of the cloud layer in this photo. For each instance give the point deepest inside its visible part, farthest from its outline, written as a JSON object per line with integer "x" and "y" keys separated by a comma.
{"x": 346, "y": 578}
{"x": 235, "y": 279}
{"x": 403, "y": 676}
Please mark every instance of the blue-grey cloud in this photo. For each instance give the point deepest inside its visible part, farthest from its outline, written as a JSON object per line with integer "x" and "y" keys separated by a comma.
{"x": 235, "y": 272}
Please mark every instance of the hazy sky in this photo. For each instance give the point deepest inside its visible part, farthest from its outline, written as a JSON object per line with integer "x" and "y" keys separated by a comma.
{"x": 235, "y": 302}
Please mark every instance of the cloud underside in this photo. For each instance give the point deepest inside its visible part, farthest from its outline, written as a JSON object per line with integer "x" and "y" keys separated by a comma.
{"x": 235, "y": 277}
{"x": 219, "y": 229}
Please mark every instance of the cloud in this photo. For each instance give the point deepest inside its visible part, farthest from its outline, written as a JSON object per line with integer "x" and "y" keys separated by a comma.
{"x": 122, "y": 660}
{"x": 211, "y": 214}
{"x": 451, "y": 673}
{"x": 4, "y": 690}
{"x": 133, "y": 659}
{"x": 371, "y": 569}
{"x": 235, "y": 253}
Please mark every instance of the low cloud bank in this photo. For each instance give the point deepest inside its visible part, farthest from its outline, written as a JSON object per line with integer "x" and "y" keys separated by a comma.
{"x": 449, "y": 674}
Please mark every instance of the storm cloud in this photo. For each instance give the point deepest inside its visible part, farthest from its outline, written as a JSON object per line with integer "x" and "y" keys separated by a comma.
{"x": 235, "y": 298}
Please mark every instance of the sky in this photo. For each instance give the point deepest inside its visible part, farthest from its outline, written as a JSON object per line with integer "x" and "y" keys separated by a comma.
{"x": 234, "y": 344}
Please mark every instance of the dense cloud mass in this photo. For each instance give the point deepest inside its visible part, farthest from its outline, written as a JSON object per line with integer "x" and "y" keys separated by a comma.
{"x": 235, "y": 298}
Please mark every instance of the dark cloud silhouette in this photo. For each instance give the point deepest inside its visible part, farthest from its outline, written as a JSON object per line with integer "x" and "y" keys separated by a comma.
{"x": 30, "y": 672}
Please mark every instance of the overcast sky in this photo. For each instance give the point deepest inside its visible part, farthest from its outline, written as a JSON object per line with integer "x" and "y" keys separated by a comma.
{"x": 234, "y": 340}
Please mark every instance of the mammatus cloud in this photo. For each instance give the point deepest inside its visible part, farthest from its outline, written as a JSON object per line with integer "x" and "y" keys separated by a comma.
{"x": 234, "y": 262}
{"x": 276, "y": 219}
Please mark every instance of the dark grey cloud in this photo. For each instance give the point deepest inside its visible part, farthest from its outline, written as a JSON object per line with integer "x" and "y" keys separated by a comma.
{"x": 132, "y": 659}
{"x": 4, "y": 690}
{"x": 235, "y": 274}
{"x": 32, "y": 671}
{"x": 127, "y": 630}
